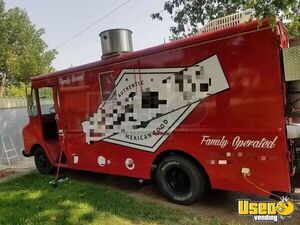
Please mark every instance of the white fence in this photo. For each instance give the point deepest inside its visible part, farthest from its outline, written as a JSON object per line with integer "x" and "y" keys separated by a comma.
{"x": 13, "y": 117}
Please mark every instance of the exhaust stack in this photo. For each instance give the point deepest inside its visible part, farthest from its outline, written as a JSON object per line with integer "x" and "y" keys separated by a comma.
{"x": 115, "y": 41}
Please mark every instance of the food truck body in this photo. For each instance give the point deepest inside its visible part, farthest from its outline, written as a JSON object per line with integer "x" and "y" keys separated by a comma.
{"x": 200, "y": 112}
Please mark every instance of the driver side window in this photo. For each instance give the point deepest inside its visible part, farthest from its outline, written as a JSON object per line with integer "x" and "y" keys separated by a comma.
{"x": 46, "y": 100}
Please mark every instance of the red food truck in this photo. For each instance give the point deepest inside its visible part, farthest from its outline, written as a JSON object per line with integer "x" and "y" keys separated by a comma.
{"x": 206, "y": 111}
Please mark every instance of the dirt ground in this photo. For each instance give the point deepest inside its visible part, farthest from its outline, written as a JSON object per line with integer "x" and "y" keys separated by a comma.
{"x": 18, "y": 168}
{"x": 217, "y": 203}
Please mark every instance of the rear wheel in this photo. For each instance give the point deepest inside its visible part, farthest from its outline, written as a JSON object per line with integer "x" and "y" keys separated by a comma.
{"x": 42, "y": 161}
{"x": 180, "y": 180}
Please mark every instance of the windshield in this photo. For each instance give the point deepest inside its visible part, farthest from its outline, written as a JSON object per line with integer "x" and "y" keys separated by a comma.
{"x": 31, "y": 101}
{"x": 45, "y": 96}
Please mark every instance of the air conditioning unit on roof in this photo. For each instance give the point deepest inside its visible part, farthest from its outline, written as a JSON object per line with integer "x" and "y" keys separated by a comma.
{"x": 228, "y": 21}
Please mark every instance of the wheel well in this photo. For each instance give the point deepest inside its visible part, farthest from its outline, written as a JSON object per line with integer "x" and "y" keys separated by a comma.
{"x": 33, "y": 148}
{"x": 164, "y": 154}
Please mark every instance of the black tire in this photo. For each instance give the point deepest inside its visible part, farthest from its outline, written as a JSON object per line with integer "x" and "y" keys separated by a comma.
{"x": 180, "y": 180}
{"x": 42, "y": 161}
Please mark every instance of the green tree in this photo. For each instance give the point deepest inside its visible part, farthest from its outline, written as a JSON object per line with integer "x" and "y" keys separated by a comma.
{"x": 23, "y": 53}
{"x": 16, "y": 90}
{"x": 189, "y": 15}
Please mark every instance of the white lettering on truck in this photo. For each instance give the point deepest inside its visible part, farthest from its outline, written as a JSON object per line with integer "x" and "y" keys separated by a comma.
{"x": 238, "y": 142}
{"x": 263, "y": 143}
{"x": 214, "y": 142}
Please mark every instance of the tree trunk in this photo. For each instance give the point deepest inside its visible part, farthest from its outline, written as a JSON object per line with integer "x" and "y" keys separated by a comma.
{"x": 3, "y": 85}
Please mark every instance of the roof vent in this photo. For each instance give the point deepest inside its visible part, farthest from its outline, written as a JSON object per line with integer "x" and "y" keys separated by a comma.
{"x": 115, "y": 41}
{"x": 228, "y": 21}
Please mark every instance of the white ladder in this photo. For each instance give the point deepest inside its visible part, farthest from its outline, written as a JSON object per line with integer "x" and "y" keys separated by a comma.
{"x": 9, "y": 149}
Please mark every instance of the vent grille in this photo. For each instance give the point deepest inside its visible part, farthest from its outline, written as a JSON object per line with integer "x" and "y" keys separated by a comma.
{"x": 291, "y": 60}
{"x": 228, "y": 21}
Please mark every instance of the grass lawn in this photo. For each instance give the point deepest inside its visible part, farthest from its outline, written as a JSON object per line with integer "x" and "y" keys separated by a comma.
{"x": 31, "y": 200}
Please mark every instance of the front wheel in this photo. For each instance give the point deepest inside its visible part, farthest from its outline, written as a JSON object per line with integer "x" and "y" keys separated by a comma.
{"x": 42, "y": 161}
{"x": 180, "y": 180}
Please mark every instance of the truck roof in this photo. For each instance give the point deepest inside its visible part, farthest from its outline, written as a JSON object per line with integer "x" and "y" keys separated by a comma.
{"x": 182, "y": 43}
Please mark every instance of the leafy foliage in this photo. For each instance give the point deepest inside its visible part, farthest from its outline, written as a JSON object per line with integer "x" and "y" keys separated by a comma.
{"x": 16, "y": 90}
{"x": 189, "y": 15}
{"x": 23, "y": 53}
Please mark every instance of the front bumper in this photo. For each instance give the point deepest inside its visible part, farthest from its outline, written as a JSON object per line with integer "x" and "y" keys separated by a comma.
{"x": 25, "y": 154}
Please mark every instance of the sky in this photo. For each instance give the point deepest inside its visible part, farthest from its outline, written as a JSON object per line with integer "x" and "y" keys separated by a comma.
{"x": 62, "y": 19}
